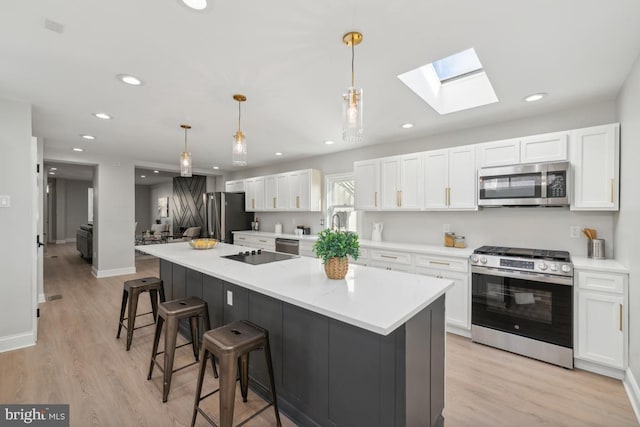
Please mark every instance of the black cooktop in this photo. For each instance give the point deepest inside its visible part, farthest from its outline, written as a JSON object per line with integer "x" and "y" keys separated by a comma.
{"x": 524, "y": 253}
{"x": 257, "y": 257}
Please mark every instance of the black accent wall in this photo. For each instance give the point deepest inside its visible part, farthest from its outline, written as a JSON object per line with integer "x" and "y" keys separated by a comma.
{"x": 188, "y": 204}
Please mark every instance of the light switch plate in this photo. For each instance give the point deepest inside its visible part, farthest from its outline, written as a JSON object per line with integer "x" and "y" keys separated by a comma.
{"x": 230, "y": 298}
{"x": 5, "y": 201}
{"x": 574, "y": 231}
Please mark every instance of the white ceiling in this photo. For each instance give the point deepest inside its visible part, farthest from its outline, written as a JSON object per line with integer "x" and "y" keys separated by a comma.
{"x": 288, "y": 58}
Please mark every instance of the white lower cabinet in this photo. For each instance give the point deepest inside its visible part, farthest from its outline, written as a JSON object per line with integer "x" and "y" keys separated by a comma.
{"x": 363, "y": 257}
{"x": 602, "y": 336}
{"x": 457, "y": 303}
{"x": 391, "y": 260}
{"x": 255, "y": 242}
{"x": 305, "y": 248}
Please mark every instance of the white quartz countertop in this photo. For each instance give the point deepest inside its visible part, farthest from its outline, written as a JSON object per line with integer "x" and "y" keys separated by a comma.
{"x": 370, "y": 298}
{"x": 370, "y": 244}
{"x": 605, "y": 265}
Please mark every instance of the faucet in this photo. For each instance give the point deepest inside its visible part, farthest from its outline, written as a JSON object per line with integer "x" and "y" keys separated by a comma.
{"x": 335, "y": 216}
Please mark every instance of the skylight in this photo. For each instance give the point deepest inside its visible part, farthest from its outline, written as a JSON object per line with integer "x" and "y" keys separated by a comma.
{"x": 455, "y": 83}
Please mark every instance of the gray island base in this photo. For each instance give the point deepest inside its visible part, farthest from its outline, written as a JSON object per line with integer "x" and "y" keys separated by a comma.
{"x": 328, "y": 372}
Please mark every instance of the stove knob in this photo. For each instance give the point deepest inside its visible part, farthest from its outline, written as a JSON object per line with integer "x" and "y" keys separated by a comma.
{"x": 247, "y": 253}
{"x": 259, "y": 251}
{"x": 542, "y": 266}
{"x": 474, "y": 258}
{"x": 566, "y": 268}
{"x": 483, "y": 260}
{"x": 240, "y": 253}
{"x": 553, "y": 267}
{"x": 253, "y": 252}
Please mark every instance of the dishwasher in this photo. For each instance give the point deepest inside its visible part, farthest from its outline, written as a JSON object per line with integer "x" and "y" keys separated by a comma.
{"x": 289, "y": 246}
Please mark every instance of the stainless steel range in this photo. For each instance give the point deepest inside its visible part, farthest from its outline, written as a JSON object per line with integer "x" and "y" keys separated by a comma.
{"x": 522, "y": 301}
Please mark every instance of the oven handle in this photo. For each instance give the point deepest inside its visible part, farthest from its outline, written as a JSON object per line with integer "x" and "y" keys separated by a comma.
{"x": 489, "y": 271}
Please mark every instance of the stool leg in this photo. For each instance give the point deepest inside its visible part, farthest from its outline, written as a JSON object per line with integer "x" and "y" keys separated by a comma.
{"x": 125, "y": 296}
{"x": 153, "y": 296}
{"x": 162, "y": 299}
{"x": 131, "y": 322}
{"x": 229, "y": 367}
{"x": 274, "y": 398}
{"x": 203, "y": 364}
{"x": 194, "y": 324}
{"x": 156, "y": 340}
{"x": 170, "y": 336}
{"x": 207, "y": 327}
{"x": 244, "y": 375}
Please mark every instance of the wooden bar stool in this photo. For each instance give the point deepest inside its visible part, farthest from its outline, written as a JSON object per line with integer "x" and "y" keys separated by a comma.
{"x": 232, "y": 344}
{"x": 172, "y": 312}
{"x": 130, "y": 293}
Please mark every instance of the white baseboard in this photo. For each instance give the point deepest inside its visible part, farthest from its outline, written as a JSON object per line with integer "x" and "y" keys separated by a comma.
{"x": 61, "y": 242}
{"x": 14, "y": 342}
{"x": 70, "y": 240}
{"x": 113, "y": 272}
{"x": 616, "y": 373}
{"x": 633, "y": 391}
{"x": 41, "y": 298}
{"x": 459, "y": 331}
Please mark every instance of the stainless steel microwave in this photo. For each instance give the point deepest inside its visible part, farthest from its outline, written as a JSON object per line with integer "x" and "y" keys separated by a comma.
{"x": 535, "y": 184}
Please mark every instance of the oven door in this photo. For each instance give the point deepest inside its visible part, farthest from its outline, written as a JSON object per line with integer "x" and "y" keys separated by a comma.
{"x": 523, "y": 306}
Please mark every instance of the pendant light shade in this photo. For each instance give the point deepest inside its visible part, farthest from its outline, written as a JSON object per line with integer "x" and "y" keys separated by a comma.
{"x": 352, "y": 124}
{"x": 239, "y": 149}
{"x": 185, "y": 157}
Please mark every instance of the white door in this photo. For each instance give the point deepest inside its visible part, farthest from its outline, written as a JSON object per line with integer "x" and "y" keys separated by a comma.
{"x": 300, "y": 185}
{"x": 436, "y": 179}
{"x": 36, "y": 232}
{"x": 367, "y": 174}
{"x": 411, "y": 181}
{"x": 462, "y": 178}
{"x": 600, "y": 328}
{"x": 283, "y": 191}
{"x": 270, "y": 192}
{"x": 389, "y": 183}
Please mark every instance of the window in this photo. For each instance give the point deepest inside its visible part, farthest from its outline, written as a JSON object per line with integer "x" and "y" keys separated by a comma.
{"x": 340, "y": 201}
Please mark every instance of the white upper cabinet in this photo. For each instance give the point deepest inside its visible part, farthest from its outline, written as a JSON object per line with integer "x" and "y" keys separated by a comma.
{"x": 401, "y": 185}
{"x": 367, "y": 184}
{"x": 283, "y": 192}
{"x": 236, "y": 186}
{"x": 549, "y": 147}
{"x": 305, "y": 190}
{"x": 498, "y": 153}
{"x": 595, "y": 158}
{"x": 450, "y": 179}
{"x": 270, "y": 192}
{"x": 254, "y": 194}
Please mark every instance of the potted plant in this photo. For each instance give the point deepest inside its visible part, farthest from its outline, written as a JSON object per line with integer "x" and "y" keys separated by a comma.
{"x": 332, "y": 247}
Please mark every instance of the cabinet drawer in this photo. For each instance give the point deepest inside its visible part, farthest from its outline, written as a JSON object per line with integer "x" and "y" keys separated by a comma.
{"x": 442, "y": 263}
{"x": 241, "y": 238}
{"x": 392, "y": 266}
{"x": 391, "y": 257}
{"x": 604, "y": 282}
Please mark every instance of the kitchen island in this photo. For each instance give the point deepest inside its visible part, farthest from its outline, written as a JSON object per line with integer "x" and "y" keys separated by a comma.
{"x": 364, "y": 351}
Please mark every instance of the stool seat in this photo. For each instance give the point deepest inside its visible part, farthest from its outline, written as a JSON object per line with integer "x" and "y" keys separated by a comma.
{"x": 172, "y": 312}
{"x": 232, "y": 344}
{"x": 130, "y": 293}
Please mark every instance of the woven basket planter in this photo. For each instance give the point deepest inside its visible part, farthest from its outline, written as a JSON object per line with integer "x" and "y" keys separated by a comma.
{"x": 336, "y": 268}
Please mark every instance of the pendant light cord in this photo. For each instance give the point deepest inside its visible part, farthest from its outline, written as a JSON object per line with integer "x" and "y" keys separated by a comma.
{"x": 239, "y": 113}
{"x": 185, "y": 140}
{"x": 353, "y": 55}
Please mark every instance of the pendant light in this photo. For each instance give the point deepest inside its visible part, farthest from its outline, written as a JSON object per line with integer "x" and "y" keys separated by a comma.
{"x": 239, "y": 150}
{"x": 185, "y": 157}
{"x": 352, "y": 129}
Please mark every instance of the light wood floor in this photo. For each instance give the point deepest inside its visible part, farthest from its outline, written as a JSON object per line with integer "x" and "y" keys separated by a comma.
{"x": 78, "y": 361}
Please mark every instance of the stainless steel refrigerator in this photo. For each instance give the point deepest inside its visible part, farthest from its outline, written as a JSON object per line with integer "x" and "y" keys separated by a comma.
{"x": 225, "y": 213}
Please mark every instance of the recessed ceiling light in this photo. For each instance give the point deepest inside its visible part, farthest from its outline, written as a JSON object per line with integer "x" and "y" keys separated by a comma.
{"x": 130, "y": 80}
{"x": 143, "y": 176}
{"x": 78, "y": 149}
{"x": 329, "y": 142}
{"x": 90, "y": 137}
{"x": 53, "y": 169}
{"x": 278, "y": 153}
{"x": 103, "y": 116}
{"x": 196, "y": 4}
{"x": 407, "y": 125}
{"x": 535, "y": 97}
{"x": 156, "y": 171}
{"x": 216, "y": 167}
{"x": 52, "y": 173}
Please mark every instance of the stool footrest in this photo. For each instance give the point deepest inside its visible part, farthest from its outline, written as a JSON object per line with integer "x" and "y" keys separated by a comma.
{"x": 175, "y": 370}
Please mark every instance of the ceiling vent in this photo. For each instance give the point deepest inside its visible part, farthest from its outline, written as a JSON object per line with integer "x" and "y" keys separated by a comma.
{"x": 54, "y": 26}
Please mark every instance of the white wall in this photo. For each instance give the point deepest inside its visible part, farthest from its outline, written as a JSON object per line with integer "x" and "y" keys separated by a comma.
{"x": 546, "y": 228}
{"x": 76, "y": 206}
{"x": 161, "y": 190}
{"x": 143, "y": 214}
{"x": 17, "y": 254}
{"x": 627, "y": 222}
{"x": 61, "y": 210}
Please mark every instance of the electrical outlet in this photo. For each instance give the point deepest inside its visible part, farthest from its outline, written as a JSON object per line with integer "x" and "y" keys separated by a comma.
{"x": 574, "y": 231}
{"x": 230, "y": 298}
{"x": 446, "y": 228}
{"x": 322, "y": 222}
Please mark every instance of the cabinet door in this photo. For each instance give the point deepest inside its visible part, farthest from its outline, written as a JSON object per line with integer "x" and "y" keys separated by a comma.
{"x": 389, "y": 183}
{"x": 367, "y": 174}
{"x": 299, "y": 183}
{"x": 254, "y": 200}
{"x": 436, "y": 179}
{"x": 462, "y": 178}
{"x": 595, "y": 158}
{"x": 499, "y": 153}
{"x": 457, "y": 302}
{"x": 549, "y": 147}
{"x": 270, "y": 192}
{"x": 283, "y": 191}
{"x": 411, "y": 182}
{"x": 234, "y": 186}
{"x": 600, "y": 328}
